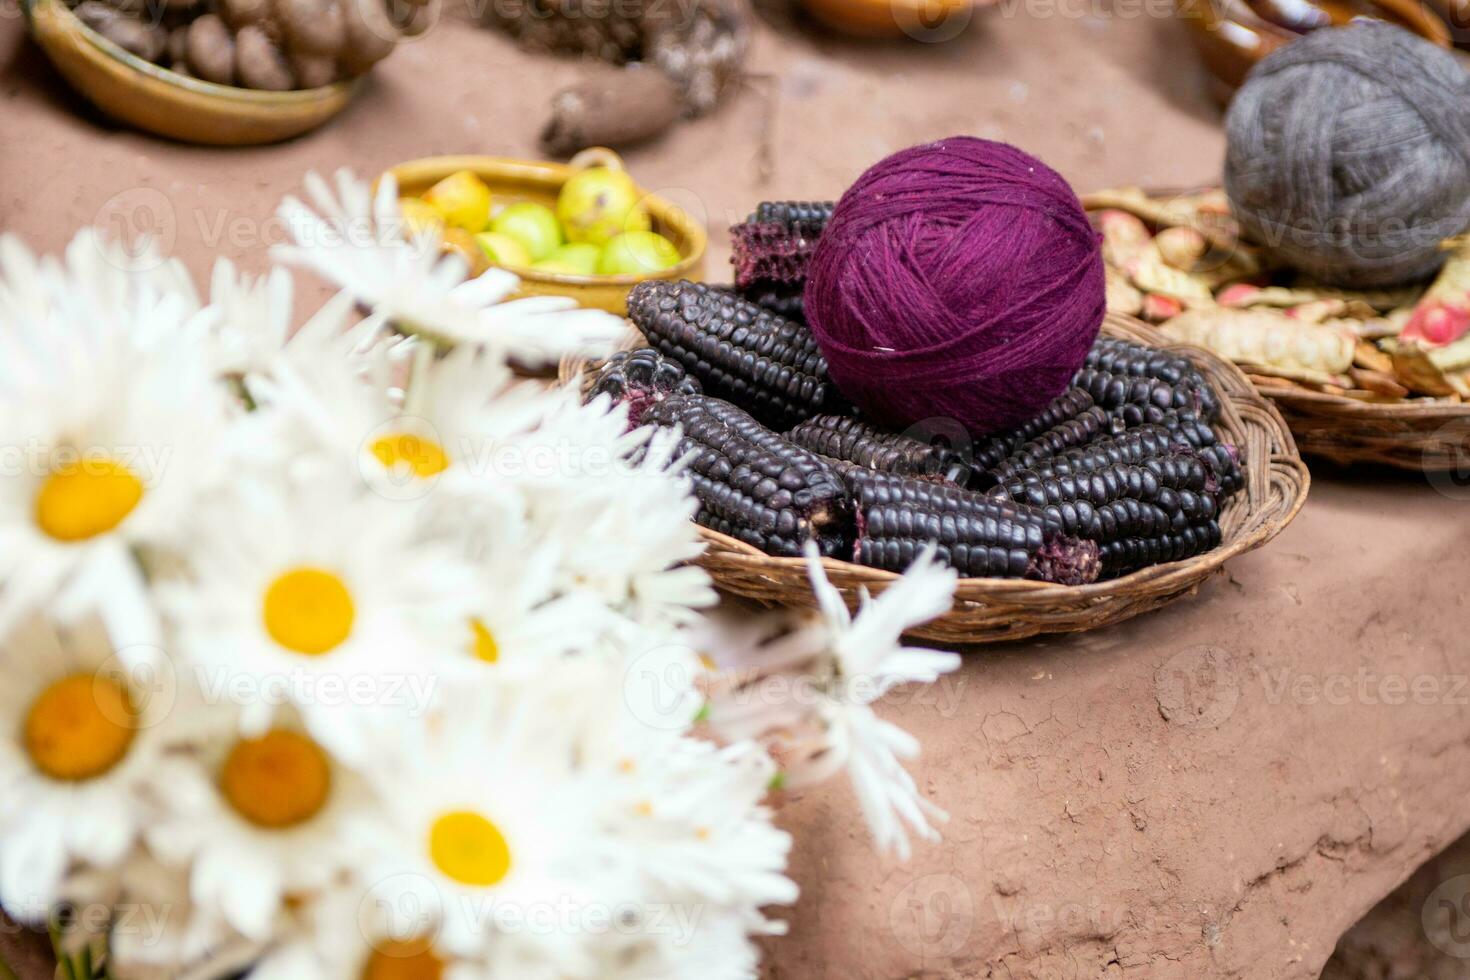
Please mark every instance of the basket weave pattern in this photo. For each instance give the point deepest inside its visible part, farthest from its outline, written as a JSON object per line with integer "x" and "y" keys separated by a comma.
{"x": 993, "y": 610}
{"x": 1421, "y": 434}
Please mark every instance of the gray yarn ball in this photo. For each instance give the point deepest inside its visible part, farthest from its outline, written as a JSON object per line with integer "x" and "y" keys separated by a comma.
{"x": 1349, "y": 154}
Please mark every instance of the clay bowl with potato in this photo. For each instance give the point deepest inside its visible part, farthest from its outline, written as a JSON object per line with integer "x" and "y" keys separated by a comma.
{"x": 251, "y": 73}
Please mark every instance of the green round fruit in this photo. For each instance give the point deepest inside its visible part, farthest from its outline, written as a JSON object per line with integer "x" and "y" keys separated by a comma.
{"x": 502, "y": 249}
{"x": 599, "y": 204}
{"x": 580, "y": 257}
{"x": 637, "y": 253}
{"x": 533, "y": 225}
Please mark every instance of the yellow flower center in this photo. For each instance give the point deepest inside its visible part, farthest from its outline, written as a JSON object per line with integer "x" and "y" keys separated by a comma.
{"x": 411, "y": 959}
{"x": 470, "y": 849}
{"x": 83, "y": 499}
{"x": 423, "y": 457}
{"x": 278, "y": 780}
{"x": 79, "y": 727}
{"x": 308, "y": 611}
{"x": 485, "y": 646}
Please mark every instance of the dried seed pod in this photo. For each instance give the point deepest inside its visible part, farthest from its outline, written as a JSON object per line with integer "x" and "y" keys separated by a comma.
{"x": 979, "y": 536}
{"x": 753, "y": 484}
{"x": 1129, "y": 554}
{"x": 1267, "y": 338}
{"x": 852, "y": 440}
{"x": 640, "y": 378}
{"x": 769, "y": 365}
{"x": 259, "y": 63}
{"x": 211, "y": 50}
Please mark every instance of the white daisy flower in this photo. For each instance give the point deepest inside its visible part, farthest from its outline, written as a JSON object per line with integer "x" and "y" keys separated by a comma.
{"x": 355, "y": 239}
{"x": 826, "y": 674}
{"x": 261, "y": 822}
{"x": 109, "y": 416}
{"x": 304, "y": 587}
{"x": 84, "y": 728}
{"x": 255, "y": 330}
{"x": 494, "y": 824}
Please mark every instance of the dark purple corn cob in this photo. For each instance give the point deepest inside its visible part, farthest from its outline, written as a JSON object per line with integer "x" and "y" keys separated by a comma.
{"x": 775, "y": 244}
{"x": 640, "y": 378}
{"x": 1187, "y": 426}
{"x": 1117, "y": 356}
{"x": 739, "y": 351}
{"x": 1076, "y": 431}
{"x": 1224, "y": 461}
{"x": 979, "y": 536}
{"x": 1114, "y": 391}
{"x": 1133, "y": 446}
{"x": 811, "y": 216}
{"x": 755, "y": 485}
{"x": 994, "y": 450}
{"x": 1129, "y": 554}
{"x": 852, "y": 440}
{"x": 1128, "y": 518}
{"x": 787, "y": 301}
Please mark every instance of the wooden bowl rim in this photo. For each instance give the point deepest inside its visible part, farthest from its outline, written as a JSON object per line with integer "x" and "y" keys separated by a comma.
{"x": 210, "y": 90}
{"x": 553, "y": 172}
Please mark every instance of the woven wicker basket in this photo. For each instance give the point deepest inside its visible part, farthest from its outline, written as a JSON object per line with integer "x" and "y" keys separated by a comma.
{"x": 994, "y": 610}
{"x": 1422, "y": 434}
{"x": 1429, "y": 435}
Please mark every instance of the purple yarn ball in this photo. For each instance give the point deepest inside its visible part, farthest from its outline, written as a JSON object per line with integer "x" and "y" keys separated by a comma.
{"x": 958, "y": 280}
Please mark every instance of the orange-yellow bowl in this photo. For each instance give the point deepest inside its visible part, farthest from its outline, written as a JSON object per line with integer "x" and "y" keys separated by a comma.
{"x": 541, "y": 181}
{"x": 920, "y": 19}
{"x": 152, "y": 98}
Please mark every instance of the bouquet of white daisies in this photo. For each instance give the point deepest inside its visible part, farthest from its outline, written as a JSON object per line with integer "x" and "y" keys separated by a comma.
{"x": 335, "y": 651}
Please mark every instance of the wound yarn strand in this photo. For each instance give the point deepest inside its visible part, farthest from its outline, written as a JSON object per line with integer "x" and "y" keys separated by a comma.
{"x": 958, "y": 279}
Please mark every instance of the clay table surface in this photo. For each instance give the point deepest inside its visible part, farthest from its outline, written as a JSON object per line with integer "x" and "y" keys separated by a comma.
{"x": 1216, "y": 790}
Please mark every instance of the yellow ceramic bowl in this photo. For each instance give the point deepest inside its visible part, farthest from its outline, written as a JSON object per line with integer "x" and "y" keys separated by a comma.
{"x": 919, "y": 19}
{"x": 541, "y": 181}
{"x": 160, "y": 101}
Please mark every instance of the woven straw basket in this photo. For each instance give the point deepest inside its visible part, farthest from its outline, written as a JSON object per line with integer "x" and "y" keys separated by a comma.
{"x": 1420, "y": 433}
{"x": 988, "y": 610}
{"x": 1429, "y": 435}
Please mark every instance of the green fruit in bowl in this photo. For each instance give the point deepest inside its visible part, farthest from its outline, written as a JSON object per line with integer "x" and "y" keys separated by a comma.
{"x": 533, "y": 225}
{"x": 637, "y": 253}
{"x": 503, "y": 250}
{"x": 599, "y": 204}
{"x": 573, "y": 259}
